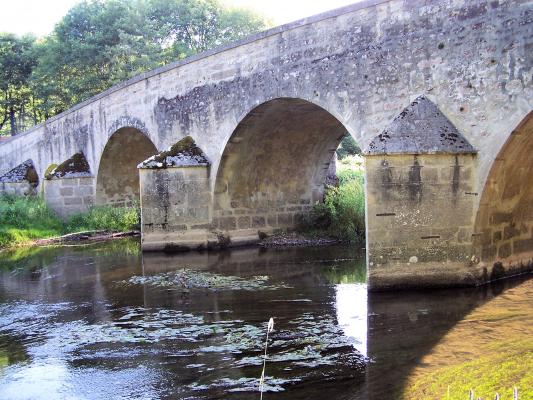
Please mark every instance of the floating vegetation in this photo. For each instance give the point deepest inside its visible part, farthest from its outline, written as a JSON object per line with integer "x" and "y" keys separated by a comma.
{"x": 227, "y": 354}
{"x": 194, "y": 279}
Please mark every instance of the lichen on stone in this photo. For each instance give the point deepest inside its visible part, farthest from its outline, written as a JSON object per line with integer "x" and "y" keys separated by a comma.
{"x": 24, "y": 172}
{"x": 184, "y": 153}
{"x": 75, "y": 167}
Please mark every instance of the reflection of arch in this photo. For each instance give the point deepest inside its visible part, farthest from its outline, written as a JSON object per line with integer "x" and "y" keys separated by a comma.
{"x": 504, "y": 222}
{"x": 118, "y": 179}
{"x": 274, "y": 165}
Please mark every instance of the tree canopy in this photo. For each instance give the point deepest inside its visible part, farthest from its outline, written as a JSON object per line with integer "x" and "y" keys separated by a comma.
{"x": 99, "y": 43}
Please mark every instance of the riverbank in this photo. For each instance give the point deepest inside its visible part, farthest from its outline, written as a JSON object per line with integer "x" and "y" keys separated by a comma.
{"x": 28, "y": 221}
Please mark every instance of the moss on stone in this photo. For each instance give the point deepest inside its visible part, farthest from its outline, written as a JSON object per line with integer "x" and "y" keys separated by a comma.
{"x": 75, "y": 166}
{"x": 184, "y": 153}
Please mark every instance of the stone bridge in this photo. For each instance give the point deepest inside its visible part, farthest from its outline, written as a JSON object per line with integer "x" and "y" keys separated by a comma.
{"x": 237, "y": 141}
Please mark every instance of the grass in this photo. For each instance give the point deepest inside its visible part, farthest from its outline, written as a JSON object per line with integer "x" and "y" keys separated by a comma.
{"x": 342, "y": 213}
{"x": 25, "y": 219}
{"x": 490, "y": 351}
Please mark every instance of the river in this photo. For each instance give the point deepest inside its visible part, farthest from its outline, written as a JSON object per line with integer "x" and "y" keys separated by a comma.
{"x": 107, "y": 322}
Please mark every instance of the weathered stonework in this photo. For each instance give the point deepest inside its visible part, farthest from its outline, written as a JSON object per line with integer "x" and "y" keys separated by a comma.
{"x": 20, "y": 181}
{"x": 269, "y": 111}
{"x": 69, "y": 187}
{"x": 420, "y": 181}
{"x": 503, "y": 238}
{"x": 176, "y": 199}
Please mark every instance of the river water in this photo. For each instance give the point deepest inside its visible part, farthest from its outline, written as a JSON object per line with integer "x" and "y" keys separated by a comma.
{"x": 107, "y": 322}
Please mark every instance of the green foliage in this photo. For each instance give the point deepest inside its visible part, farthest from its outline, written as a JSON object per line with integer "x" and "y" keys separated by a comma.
{"x": 99, "y": 43}
{"x": 17, "y": 101}
{"x": 348, "y": 147}
{"x": 24, "y": 219}
{"x": 342, "y": 213}
{"x": 106, "y": 218}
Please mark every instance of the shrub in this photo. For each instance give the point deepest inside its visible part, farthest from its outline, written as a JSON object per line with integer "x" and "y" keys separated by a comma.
{"x": 342, "y": 213}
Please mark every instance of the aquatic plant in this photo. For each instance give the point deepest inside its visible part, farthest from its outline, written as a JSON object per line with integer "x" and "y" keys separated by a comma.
{"x": 270, "y": 328}
{"x": 497, "y": 397}
{"x": 193, "y": 279}
{"x": 23, "y": 219}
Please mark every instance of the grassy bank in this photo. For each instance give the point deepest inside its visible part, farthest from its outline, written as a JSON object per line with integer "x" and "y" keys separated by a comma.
{"x": 25, "y": 219}
{"x": 342, "y": 214}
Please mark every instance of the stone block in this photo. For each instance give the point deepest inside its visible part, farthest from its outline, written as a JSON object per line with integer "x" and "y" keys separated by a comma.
{"x": 258, "y": 222}
{"x": 66, "y": 191}
{"x": 69, "y": 201}
{"x": 227, "y": 223}
{"x": 243, "y": 222}
{"x": 68, "y": 181}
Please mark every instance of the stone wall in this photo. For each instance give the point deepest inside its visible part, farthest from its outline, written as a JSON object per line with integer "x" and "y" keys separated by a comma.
{"x": 420, "y": 219}
{"x": 175, "y": 204}
{"x": 18, "y": 188}
{"x": 504, "y": 223}
{"x": 69, "y": 195}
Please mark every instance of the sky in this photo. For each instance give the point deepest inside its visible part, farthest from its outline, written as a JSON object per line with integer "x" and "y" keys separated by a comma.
{"x": 40, "y": 16}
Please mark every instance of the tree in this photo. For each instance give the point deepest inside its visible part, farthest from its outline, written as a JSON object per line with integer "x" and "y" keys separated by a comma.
{"x": 17, "y": 60}
{"x": 186, "y": 27}
{"x": 348, "y": 147}
{"x": 100, "y": 43}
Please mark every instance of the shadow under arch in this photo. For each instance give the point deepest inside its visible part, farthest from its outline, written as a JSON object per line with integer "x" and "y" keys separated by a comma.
{"x": 274, "y": 165}
{"x": 117, "y": 182}
{"x": 504, "y": 221}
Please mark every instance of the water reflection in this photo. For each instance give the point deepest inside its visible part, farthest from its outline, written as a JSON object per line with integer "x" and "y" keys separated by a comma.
{"x": 353, "y": 320}
{"x": 108, "y": 322}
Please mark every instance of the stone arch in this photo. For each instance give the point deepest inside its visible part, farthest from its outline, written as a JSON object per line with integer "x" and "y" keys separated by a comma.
{"x": 117, "y": 181}
{"x": 504, "y": 221}
{"x": 274, "y": 165}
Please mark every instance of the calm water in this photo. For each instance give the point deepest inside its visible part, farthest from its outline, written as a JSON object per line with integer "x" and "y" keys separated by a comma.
{"x": 105, "y": 322}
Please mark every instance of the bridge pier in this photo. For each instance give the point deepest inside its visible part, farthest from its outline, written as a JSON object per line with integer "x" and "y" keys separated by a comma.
{"x": 176, "y": 199}
{"x": 70, "y": 187}
{"x": 420, "y": 180}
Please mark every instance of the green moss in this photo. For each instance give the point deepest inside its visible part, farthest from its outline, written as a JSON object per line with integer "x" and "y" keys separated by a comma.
{"x": 75, "y": 165}
{"x": 185, "y": 147}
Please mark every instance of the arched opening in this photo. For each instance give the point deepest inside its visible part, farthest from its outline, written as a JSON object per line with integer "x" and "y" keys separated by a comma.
{"x": 118, "y": 177}
{"x": 504, "y": 222}
{"x": 274, "y": 167}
